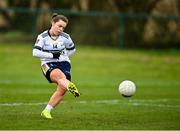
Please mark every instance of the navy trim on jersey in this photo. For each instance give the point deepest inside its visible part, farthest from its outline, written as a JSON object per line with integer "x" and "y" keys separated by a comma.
{"x": 37, "y": 47}
{"x": 70, "y": 48}
{"x": 49, "y": 33}
{"x": 45, "y": 34}
{"x": 64, "y": 35}
{"x": 53, "y": 51}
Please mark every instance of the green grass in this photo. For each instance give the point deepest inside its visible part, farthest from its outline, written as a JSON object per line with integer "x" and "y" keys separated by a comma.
{"x": 97, "y": 72}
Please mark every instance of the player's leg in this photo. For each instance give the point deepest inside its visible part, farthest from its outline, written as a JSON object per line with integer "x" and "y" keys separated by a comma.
{"x": 63, "y": 84}
{"x": 58, "y": 77}
{"x": 58, "y": 95}
{"x": 65, "y": 68}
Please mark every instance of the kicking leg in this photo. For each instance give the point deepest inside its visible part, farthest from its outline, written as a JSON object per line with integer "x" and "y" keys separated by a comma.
{"x": 62, "y": 86}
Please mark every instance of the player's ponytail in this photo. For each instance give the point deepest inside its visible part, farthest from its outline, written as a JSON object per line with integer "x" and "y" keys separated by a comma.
{"x": 54, "y": 15}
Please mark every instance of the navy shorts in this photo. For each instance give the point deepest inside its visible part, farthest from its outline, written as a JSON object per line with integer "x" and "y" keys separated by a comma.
{"x": 64, "y": 66}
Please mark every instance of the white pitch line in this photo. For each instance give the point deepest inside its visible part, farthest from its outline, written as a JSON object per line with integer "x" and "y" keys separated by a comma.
{"x": 22, "y": 104}
{"x": 139, "y": 102}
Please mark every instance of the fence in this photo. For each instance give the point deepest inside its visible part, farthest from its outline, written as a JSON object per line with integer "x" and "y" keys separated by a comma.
{"x": 93, "y": 28}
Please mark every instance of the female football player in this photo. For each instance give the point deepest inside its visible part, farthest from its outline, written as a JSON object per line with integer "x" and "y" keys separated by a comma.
{"x": 54, "y": 47}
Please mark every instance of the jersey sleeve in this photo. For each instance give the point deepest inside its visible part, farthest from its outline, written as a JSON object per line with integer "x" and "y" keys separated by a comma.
{"x": 70, "y": 47}
{"x": 39, "y": 42}
{"x": 37, "y": 50}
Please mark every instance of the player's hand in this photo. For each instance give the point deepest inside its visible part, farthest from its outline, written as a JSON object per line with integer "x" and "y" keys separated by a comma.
{"x": 56, "y": 55}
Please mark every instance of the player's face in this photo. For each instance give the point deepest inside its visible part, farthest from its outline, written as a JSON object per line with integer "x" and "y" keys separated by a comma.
{"x": 58, "y": 27}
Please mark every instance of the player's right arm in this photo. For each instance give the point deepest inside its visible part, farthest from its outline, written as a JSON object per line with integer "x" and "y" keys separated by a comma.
{"x": 38, "y": 50}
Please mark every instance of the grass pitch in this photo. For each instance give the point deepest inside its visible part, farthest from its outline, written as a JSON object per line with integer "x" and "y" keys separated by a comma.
{"x": 97, "y": 72}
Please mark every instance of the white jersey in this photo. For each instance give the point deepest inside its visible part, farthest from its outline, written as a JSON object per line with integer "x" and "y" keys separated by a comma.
{"x": 45, "y": 46}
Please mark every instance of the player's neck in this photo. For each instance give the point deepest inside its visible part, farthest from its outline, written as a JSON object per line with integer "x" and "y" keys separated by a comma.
{"x": 52, "y": 35}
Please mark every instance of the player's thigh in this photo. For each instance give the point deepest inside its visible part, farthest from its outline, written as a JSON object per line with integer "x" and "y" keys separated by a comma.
{"x": 56, "y": 74}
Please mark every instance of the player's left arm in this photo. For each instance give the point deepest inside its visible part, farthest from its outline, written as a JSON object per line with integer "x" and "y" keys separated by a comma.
{"x": 70, "y": 46}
